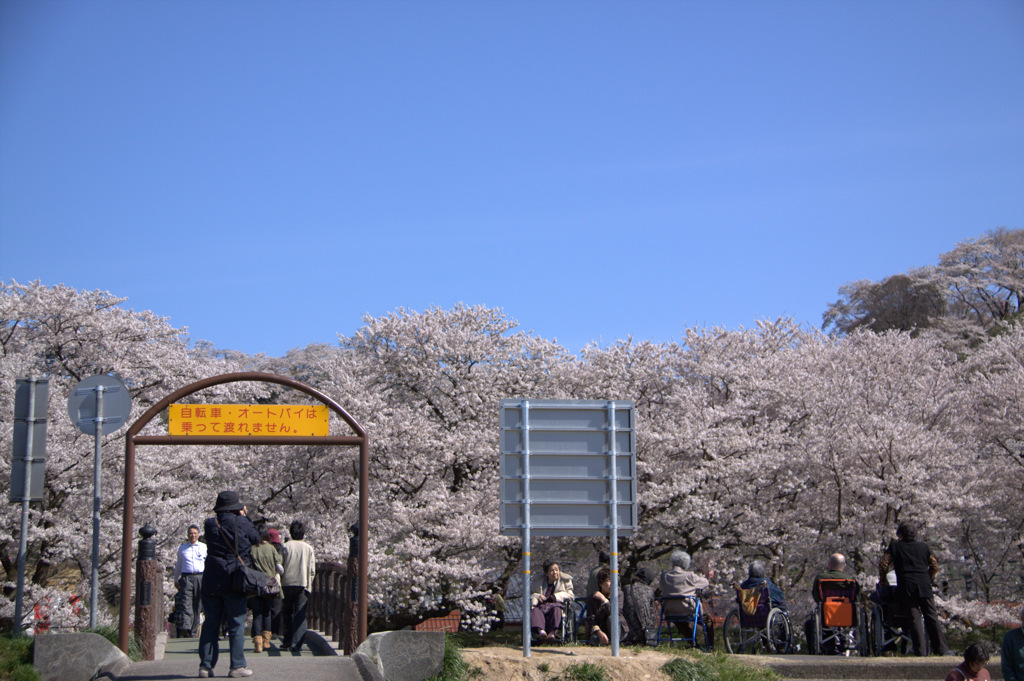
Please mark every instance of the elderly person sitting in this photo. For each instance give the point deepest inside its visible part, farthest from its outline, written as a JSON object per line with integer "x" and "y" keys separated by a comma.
{"x": 554, "y": 589}
{"x": 679, "y": 581}
{"x": 756, "y": 577}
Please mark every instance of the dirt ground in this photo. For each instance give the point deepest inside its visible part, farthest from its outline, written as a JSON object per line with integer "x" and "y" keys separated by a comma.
{"x": 544, "y": 663}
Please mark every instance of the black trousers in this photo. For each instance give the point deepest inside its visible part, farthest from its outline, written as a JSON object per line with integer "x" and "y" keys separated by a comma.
{"x": 925, "y": 618}
{"x": 294, "y": 616}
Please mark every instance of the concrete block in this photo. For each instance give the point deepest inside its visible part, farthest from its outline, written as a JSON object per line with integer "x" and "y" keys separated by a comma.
{"x": 77, "y": 657}
{"x": 405, "y": 655}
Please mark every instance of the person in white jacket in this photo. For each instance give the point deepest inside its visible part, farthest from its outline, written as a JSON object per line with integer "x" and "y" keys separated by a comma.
{"x": 296, "y": 583}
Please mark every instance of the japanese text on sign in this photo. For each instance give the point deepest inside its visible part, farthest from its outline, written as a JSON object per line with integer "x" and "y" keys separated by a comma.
{"x": 247, "y": 419}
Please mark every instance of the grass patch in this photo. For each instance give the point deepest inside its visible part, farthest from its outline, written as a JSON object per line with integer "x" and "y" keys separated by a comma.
{"x": 454, "y": 667}
{"x": 584, "y": 671}
{"x": 959, "y": 639}
{"x": 16, "y": 659}
{"x": 110, "y": 632}
{"x": 717, "y": 667}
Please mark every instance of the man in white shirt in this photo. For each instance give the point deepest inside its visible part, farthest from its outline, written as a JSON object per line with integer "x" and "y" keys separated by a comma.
{"x": 297, "y": 584}
{"x": 188, "y": 578}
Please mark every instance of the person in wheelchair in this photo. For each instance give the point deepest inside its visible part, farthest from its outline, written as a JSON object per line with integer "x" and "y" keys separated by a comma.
{"x": 679, "y": 581}
{"x": 553, "y": 589}
{"x": 756, "y": 577}
{"x": 890, "y": 622}
{"x": 841, "y": 642}
{"x": 599, "y": 611}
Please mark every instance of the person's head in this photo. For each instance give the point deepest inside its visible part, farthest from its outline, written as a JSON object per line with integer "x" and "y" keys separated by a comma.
{"x": 604, "y": 580}
{"x": 603, "y": 558}
{"x": 756, "y": 570}
{"x": 680, "y": 559}
{"x": 227, "y": 502}
{"x": 976, "y": 656}
{"x": 906, "y": 532}
{"x": 264, "y": 534}
{"x": 193, "y": 534}
{"x": 552, "y": 571}
{"x": 645, "y": 576}
{"x": 275, "y": 537}
{"x": 297, "y": 529}
{"x": 837, "y": 562}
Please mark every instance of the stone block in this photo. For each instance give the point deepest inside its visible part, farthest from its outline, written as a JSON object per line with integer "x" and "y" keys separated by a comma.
{"x": 77, "y": 657}
{"x": 405, "y": 655}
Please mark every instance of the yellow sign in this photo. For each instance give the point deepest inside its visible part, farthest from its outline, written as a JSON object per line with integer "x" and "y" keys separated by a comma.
{"x": 247, "y": 419}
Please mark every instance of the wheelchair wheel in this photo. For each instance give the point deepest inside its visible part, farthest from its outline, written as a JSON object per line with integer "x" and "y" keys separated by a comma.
{"x": 876, "y": 632}
{"x": 570, "y": 623}
{"x": 863, "y": 642}
{"x": 780, "y": 632}
{"x": 814, "y": 642}
{"x": 733, "y": 634}
{"x": 704, "y": 635}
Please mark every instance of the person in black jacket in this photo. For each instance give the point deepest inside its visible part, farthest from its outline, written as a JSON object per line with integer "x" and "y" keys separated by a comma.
{"x": 229, "y": 537}
{"x": 916, "y": 568}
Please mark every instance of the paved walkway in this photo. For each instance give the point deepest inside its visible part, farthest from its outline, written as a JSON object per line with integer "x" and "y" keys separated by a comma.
{"x": 819, "y": 667}
{"x": 181, "y": 661}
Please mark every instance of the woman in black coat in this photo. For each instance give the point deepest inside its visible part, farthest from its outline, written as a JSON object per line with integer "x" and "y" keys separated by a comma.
{"x": 228, "y": 530}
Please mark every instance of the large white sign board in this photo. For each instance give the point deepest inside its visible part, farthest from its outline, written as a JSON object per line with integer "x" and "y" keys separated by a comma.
{"x": 568, "y": 469}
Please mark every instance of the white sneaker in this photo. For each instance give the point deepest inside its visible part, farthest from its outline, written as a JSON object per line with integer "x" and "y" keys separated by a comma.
{"x": 239, "y": 673}
{"x": 205, "y": 673}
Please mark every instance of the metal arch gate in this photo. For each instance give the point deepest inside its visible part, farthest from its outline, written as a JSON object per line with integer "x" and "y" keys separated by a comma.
{"x": 133, "y": 438}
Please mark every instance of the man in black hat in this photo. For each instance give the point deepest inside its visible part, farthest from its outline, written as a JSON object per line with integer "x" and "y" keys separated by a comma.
{"x": 230, "y": 536}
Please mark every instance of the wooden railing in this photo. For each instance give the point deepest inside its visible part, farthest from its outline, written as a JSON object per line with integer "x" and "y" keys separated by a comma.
{"x": 327, "y": 600}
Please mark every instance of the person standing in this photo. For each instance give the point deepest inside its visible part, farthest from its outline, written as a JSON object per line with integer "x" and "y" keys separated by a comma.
{"x": 603, "y": 560}
{"x": 188, "y": 579}
{"x": 230, "y": 536}
{"x": 275, "y": 613}
{"x": 1012, "y": 653}
{"x": 297, "y": 584}
{"x": 916, "y": 568}
{"x": 264, "y": 558}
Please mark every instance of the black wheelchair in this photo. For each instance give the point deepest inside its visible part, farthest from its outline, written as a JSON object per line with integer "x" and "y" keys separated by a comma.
{"x": 839, "y": 623}
{"x": 890, "y": 624}
{"x": 766, "y": 629}
{"x": 687, "y": 615}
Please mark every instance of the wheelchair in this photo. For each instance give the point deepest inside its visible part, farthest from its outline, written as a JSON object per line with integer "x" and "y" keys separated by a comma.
{"x": 694, "y": 620}
{"x": 839, "y": 623}
{"x": 574, "y": 621}
{"x": 767, "y": 629}
{"x": 889, "y": 628}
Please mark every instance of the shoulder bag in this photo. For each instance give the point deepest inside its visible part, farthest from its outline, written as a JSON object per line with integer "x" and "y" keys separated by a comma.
{"x": 247, "y": 581}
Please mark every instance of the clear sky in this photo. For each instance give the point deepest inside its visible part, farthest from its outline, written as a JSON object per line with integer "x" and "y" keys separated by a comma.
{"x": 266, "y": 173}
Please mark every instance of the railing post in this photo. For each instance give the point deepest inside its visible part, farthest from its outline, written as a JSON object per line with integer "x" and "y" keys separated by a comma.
{"x": 351, "y": 594}
{"x": 149, "y": 593}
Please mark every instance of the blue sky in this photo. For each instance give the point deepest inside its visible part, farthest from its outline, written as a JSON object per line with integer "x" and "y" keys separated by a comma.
{"x": 266, "y": 173}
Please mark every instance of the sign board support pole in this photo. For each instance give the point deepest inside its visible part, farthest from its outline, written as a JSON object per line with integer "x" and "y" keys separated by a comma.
{"x": 614, "y": 530}
{"x": 26, "y": 497}
{"x": 526, "y": 529}
{"x": 97, "y": 473}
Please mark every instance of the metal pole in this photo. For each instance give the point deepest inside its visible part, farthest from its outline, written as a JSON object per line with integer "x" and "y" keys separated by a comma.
{"x": 614, "y": 532}
{"x": 97, "y": 473}
{"x": 26, "y": 496}
{"x": 364, "y": 535}
{"x": 526, "y": 527}
{"x": 126, "y": 543}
